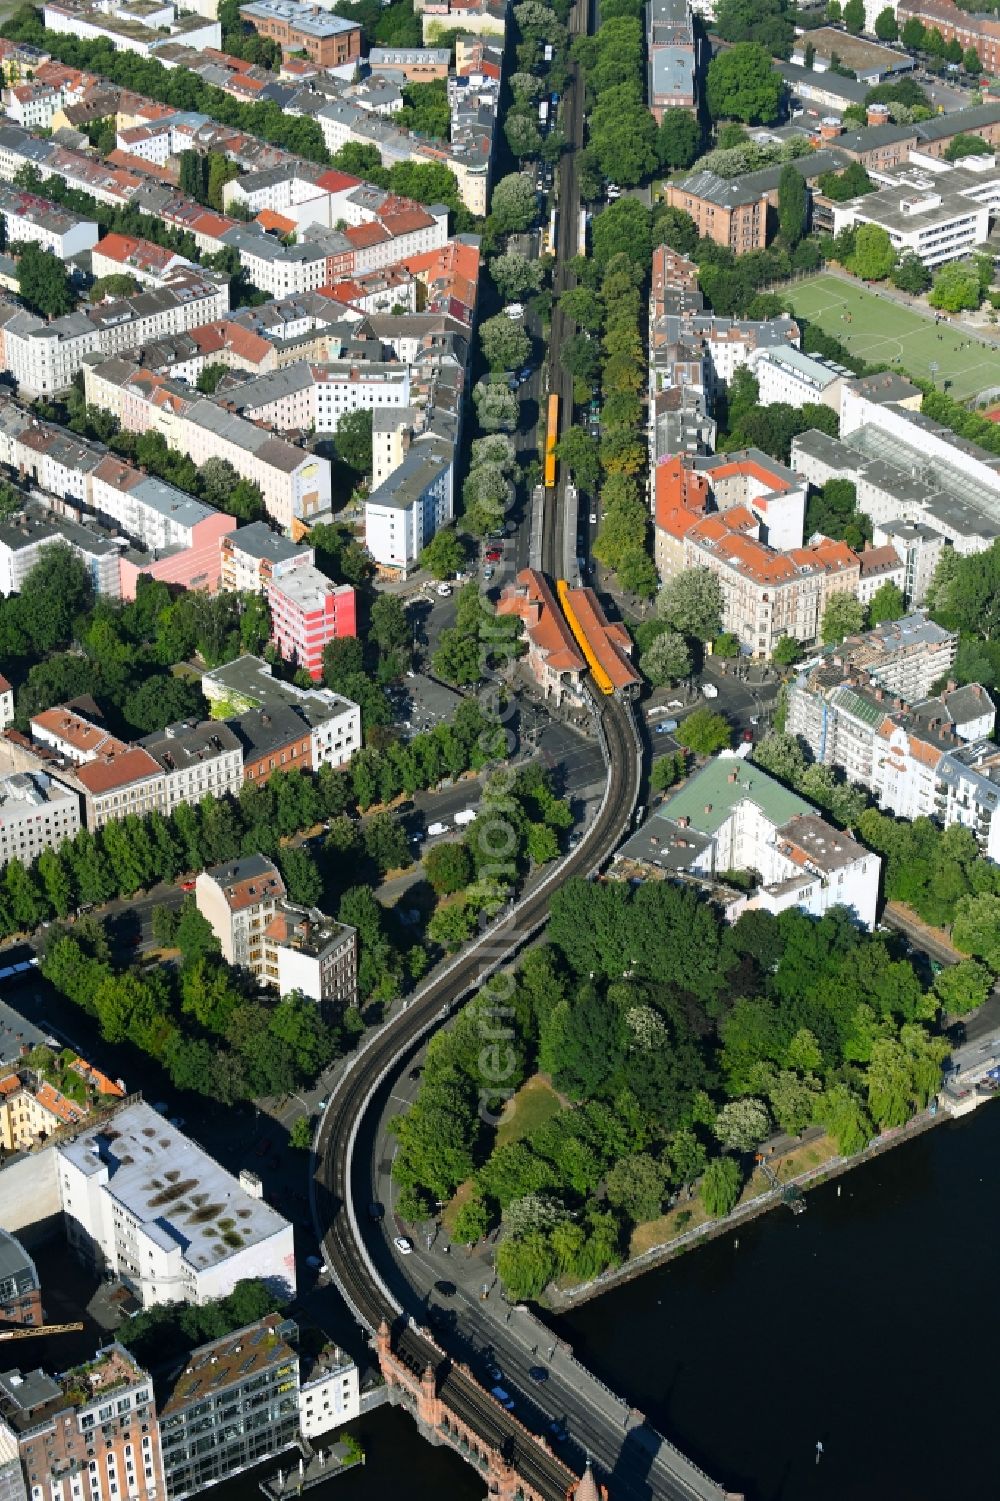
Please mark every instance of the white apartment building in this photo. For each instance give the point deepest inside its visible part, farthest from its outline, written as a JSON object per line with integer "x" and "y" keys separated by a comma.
{"x": 44, "y": 357}
{"x": 29, "y": 217}
{"x": 303, "y": 396}
{"x": 25, "y": 538}
{"x": 784, "y": 373}
{"x": 286, "y": 947}
{"x": 934, "y": 210}
{"x": 732, "y": 816}
{"x": 198, "y": 760}
{"x": 135, "y": 1203}
{"x": 329, "y": 1395}
{"x": 332, "y": 723}
{"x": 36, "y": 814}
{"x": 6, "y": 703}
{"x": 403, "y": 513}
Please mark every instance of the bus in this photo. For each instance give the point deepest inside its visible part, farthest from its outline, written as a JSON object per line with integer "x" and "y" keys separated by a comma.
{"x": 551, "y": 439}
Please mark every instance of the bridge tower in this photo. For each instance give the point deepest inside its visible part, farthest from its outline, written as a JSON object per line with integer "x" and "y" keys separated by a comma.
{"x": 587, "y": 1488}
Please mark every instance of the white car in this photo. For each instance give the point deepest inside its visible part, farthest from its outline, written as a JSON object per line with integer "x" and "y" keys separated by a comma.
{"x": 403, "y": 1244}
{"x": 593, "y": 518}
{"x": 444, "y": 590}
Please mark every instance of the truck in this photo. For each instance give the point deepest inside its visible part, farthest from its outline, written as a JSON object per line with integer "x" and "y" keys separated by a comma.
{"x": 547, "y": 52}
{"x": 543, "y": 114}
{"x": 467, "y": 815}
{"x": 709, "y": 690}
{"x": 436, "y": 828}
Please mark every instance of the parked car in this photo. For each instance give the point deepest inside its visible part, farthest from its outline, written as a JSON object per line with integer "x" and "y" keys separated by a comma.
{"x": 667, "y": 727}
{"x": 403, "y": 1244}
{"x": 494, "y": 555}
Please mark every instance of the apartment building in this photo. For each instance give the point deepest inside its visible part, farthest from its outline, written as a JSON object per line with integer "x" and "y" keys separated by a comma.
{"x": 6, "y": 703}
{"x": 328, "y": 40}
{"x": 255, "y": 555}
{"x": 197, "y": 760}
{"x": 936, "y": 135}
{"x": 979, "y": 31}
{"x": 769, "y": 594}
{"x": 44, "y": 357}
{"x": 687, "y": 488}
{"x": 287, "y": 947}
{"x": 234, "y": 1404}
{"x": 403, "y": 513}
{"x": 36, "y": 814}
{"x": 789, "y": 375}
{"x": 25, "y": 538}
{"x": 134, "y": 1194}
{"x": 32, "y": 1110}
{"x": 294, "y": 483}
{"x": 553, "y": 656}
{"x": 302, "y": 396}
{"x": 55, "y": 229}
{"x": 672, "y": 57}
{"x": 113, "y": 778}
{"x": 731, "y": 816}
{"x": 180, "y": 764}
{"x": 95, "y": 1424}
{"x": 329, "y": 1393}
{"x": 414, "y": 64}
{"x": 326, "y": 727}
{"x": 20, "y": 1289}
{"x": 919, "y": 548}
{"x": 151, "y": 264}
{"x": 307, "y": 611}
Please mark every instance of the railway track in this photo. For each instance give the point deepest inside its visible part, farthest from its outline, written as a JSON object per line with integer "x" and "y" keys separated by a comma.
{"x": 340, "y": 1184}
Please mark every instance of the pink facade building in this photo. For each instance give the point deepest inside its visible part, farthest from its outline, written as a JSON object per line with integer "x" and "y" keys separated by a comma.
{"x": 307, "y": 611}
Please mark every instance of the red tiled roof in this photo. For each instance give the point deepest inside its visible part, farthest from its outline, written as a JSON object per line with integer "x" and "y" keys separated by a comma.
{"x": 531, "y": 599}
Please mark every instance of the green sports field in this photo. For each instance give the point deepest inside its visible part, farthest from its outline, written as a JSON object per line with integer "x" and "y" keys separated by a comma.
{"x": 881, "y": 331}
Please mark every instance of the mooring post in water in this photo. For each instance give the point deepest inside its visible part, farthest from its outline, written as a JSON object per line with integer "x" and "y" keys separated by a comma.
{"x": 819, "y": 1450}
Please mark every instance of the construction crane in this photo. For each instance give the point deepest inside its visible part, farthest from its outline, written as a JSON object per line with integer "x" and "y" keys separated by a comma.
{"x": 26, "y": 1331}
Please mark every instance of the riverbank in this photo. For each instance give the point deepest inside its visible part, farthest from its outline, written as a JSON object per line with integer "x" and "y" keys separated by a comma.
{"x": 560, "y": 1299}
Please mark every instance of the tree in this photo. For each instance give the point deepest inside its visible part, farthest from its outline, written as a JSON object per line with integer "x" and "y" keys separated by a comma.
{"x": 873, "y": 256}
{"x": 743, "y": 84}
{"x": 843, "y": 616}
{"x": 389, "y": 626}
{"x": 301, "y": 877}
{"x": 354, "y": 440}
{"x": 585, "y": 307}
{"x": 912, "y": 34}
{"x": 513, "y": 205}
{"x": 514, "y": 275}
{"x": 910, "y": 275}
{"x": 504, "y": 343}
{"x": 691, "y": 601}
{"x": 854, "y": 16}
{"x": 704, "y": 732}
{"x": 786, "y": 651}
{"x": 886, "y": 27}
{"x": 971, "y": 62}
{"x": 637, "y": 1184}
{"x": 667, "y": 660}
{"x": 964, "y": 986}
{"x": 300, "y": 1136}
{"x": 43, "y": 282}
{"x": 793, "y": 204}
{"x": 194, "y": 935}
{"x": 887, "y": 603}
{"x": 448, "y": 868}
{"x": 443, "y": 556}
{"x": 956, "y": 288}
{"x": 976, "y": 929}
{"x": 678, "y": 139}
{"x": 720, "y": 1186}
{"x": 742, "y": 1124}
{"x": 577, "y": 450}
{"x": 780, "y": 755}
{"x": 163, "y": 699}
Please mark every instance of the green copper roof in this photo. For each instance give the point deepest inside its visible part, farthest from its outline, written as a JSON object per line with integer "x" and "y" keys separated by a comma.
{"x": 712, "y": 788}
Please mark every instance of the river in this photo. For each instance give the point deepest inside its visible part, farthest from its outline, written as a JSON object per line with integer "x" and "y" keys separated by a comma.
{"x": 855, "y": 1325}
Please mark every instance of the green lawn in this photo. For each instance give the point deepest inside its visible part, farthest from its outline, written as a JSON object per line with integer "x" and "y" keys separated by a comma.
{"x": 878, "y": 330}
{"x": 535, "y": 1103}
